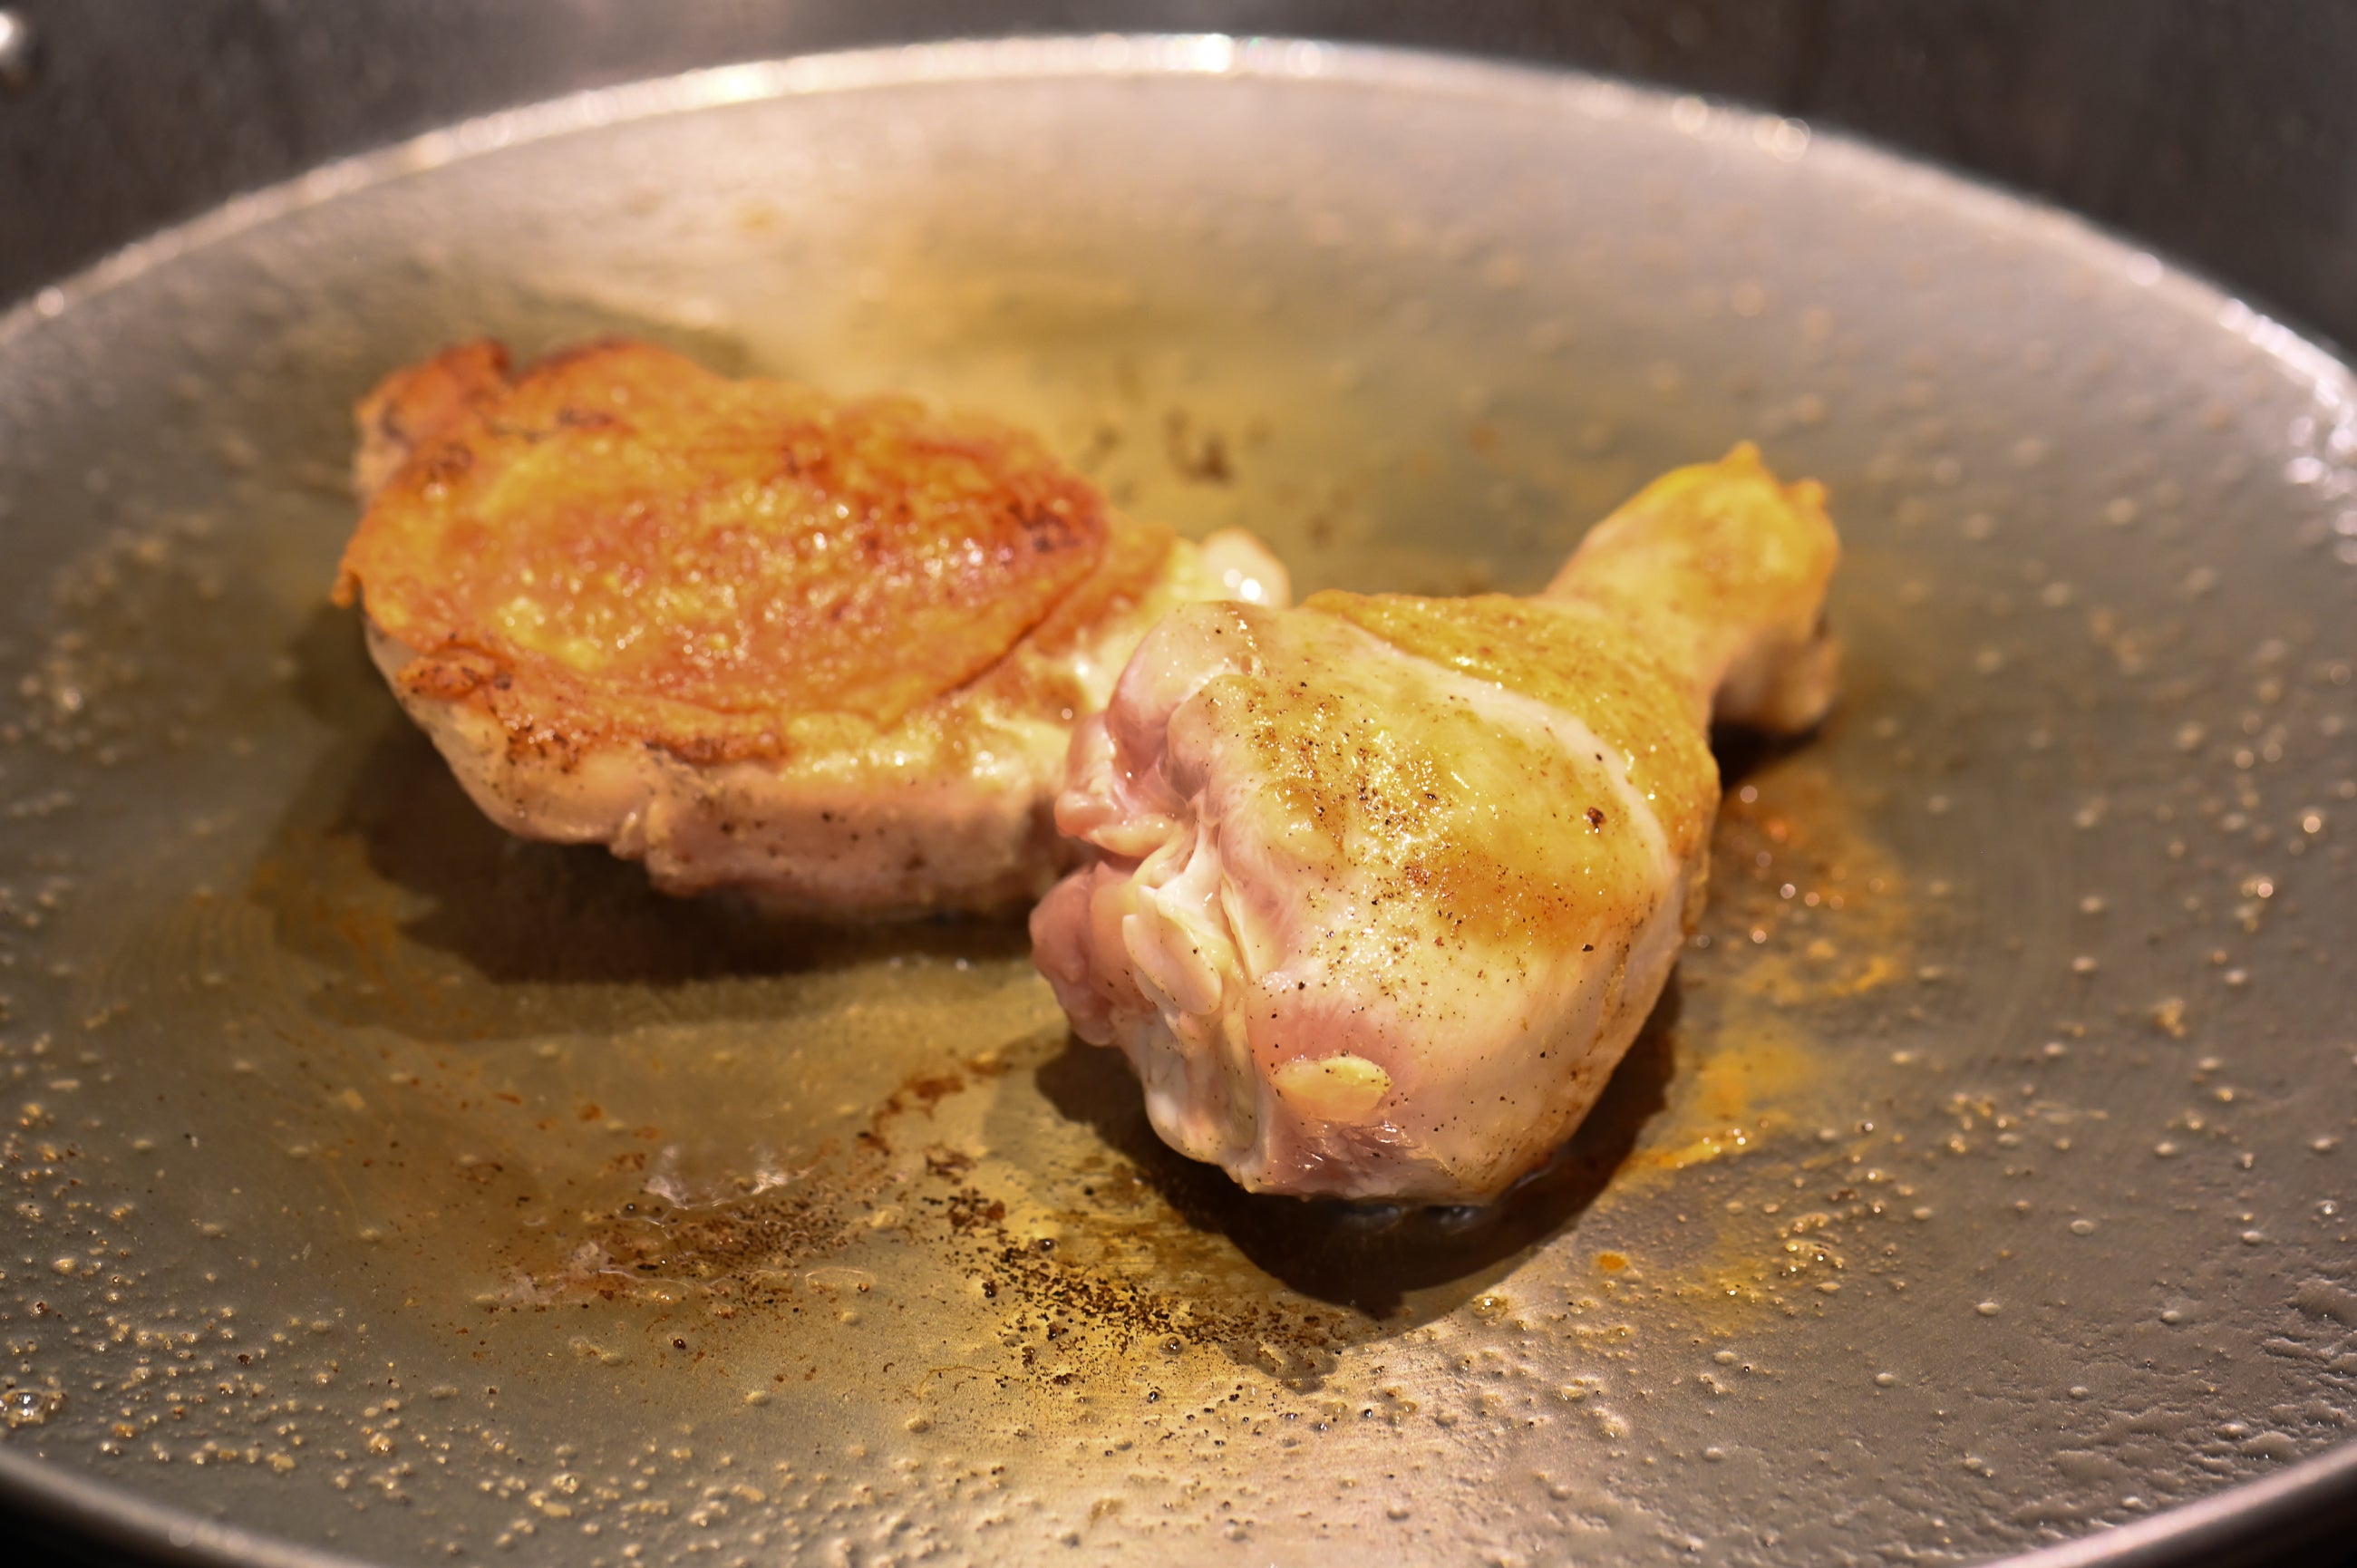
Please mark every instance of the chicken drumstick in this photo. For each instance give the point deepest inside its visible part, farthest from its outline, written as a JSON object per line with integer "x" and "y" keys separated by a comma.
{"x": 1386, "y": 885}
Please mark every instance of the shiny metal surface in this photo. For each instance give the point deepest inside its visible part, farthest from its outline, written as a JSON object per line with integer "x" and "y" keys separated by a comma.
{"x": 2221, "y": 134}
{"x": 395, "y": 1189}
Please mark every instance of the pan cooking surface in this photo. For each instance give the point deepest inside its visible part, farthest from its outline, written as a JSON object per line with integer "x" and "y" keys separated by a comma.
{"x": 402, "y": 1190}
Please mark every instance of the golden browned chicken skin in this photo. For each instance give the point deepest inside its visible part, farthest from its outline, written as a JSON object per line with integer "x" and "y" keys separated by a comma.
{"x": 1386, "y": 885}
{"x": 826, "y": 650}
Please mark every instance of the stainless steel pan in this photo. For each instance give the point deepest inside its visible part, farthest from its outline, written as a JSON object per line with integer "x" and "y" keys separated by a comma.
{"x": 392, "y": 1190}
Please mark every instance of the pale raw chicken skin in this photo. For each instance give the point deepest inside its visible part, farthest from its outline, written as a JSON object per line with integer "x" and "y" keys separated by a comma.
{"x": 1386, "y": 886}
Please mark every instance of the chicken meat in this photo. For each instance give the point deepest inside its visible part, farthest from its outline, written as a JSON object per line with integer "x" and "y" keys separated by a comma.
{"x": 828, "y": 651}
{"x": 1386, "y": 886}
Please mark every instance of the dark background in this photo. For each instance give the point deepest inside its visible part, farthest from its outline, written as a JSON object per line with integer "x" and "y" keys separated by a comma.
{"x": 2222, "y": 134}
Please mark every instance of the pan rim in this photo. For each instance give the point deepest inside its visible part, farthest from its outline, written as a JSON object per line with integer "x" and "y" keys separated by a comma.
{"x": 2272, "y": 1512}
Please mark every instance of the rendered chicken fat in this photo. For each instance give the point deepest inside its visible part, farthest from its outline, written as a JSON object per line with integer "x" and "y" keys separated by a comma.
{"x": 1386, "y": 886}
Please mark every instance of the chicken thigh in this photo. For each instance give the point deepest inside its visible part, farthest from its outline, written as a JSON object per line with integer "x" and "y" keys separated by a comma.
{"x": 826, "y": 652}
{"x": 1384, "y": 885}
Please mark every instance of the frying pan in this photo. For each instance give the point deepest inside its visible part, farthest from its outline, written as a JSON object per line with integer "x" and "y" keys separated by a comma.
{"x": 387, "y": 1190}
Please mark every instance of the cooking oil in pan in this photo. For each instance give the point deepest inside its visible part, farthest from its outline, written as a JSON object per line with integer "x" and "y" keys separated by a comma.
{"x": 393, "y": 1186}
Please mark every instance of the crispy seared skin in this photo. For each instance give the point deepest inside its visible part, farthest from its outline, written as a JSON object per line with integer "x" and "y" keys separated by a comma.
{"x": 618, "y": 543}
{"x": 741, "y": 627}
